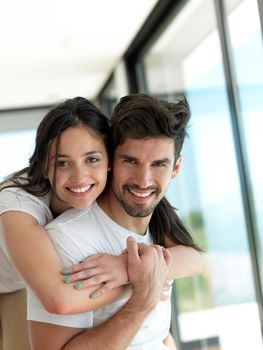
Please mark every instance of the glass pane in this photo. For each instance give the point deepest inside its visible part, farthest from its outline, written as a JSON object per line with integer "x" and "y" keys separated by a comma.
{"x": 247, "y": 51}
{"x": 218, "y": 309}
{"x": 16, "y": 148}
{"x": 108, "y": 98}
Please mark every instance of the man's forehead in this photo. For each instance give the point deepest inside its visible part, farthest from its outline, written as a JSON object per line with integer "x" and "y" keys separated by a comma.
{"x": 152, "y": 141}
{"x": 155, "y": 148}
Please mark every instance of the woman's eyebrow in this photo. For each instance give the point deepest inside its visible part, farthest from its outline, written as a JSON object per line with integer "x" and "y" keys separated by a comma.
{"x": 61, "y": 155}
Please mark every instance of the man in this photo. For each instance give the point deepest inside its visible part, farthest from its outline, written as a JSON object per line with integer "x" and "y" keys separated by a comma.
{"x": 147, "y": 138}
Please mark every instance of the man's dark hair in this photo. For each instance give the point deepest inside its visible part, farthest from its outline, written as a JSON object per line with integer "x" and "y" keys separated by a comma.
{"x": 140, "y": 116}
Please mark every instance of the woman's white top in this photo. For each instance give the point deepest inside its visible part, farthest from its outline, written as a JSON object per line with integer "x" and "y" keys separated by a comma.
{"x": 17, "y": 199}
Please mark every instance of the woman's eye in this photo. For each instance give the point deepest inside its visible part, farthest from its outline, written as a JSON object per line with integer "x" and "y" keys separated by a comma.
{"x": 92, "y": 160}
{"x": 62, "y": 163}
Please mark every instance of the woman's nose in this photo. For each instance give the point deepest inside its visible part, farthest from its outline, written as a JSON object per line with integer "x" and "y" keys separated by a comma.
{"x": 78, "y": 175}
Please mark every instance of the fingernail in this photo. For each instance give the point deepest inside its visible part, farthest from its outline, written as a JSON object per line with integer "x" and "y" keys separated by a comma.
{"x": 65, "y": 271}
{"x": 67, "y": 279}
{"x": 93, "y": 296}
{"x": 78, "y": 285}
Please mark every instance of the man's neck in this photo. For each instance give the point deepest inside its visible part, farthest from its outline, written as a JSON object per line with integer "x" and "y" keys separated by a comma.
{"x": 111, "y": 206}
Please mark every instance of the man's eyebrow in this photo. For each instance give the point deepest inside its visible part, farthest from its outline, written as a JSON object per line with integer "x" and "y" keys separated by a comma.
{"x": 60, "y": 155}
{"x": 126, "y": 156}
{"x": 163, "y": 160}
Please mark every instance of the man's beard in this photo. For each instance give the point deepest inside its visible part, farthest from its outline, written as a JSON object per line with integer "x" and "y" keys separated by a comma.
{"x": 137, "y": 210}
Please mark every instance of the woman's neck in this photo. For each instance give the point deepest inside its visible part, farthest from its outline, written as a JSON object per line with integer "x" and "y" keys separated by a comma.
{"x": 57, "y": 206}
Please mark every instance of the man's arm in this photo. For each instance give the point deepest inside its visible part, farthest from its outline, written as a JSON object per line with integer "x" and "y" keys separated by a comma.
{"x": 111, "y": 270}
{"x": 147, "y": 271}
{"x": 115, "y": 333}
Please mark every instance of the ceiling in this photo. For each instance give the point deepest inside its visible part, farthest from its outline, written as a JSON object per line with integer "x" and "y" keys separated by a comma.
{"x": 55, "y": 49}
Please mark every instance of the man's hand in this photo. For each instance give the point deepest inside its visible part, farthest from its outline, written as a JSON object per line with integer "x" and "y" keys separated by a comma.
{"x": 148, "y": 267}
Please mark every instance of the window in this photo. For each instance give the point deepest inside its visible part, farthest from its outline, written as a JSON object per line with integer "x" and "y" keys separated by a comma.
{"x": 217, "y": 310}
{"x": 246, "y": 44}
{"x": 17, "y": 138}
{"x": 16, "y": 148}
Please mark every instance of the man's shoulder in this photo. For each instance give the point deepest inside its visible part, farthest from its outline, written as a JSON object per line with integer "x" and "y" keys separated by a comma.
{"x": 71, "y": 217}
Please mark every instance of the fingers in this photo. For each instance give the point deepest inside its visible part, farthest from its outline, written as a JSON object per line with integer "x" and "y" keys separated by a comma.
{"x": 102, "y": 268}
{"x": 140, "y": 245}
{"x": 86, "y": 264}
{"x": 132, "y": 248}
{"x": 92, "y": 256}
{"x": 82, "y": 275}
{"x": 91, "y": 282}
{"x": 164, "y": 297}
{"x": 166, "y": 287}
{"x": 143, "y": 248}
{"x": 105, "y": 287}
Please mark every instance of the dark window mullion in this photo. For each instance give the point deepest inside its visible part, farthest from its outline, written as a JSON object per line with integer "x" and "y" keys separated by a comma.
{"x": 260, "y": 9}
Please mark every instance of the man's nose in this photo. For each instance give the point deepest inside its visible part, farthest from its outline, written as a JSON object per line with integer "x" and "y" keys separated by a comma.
{"x": 143, "y": 177}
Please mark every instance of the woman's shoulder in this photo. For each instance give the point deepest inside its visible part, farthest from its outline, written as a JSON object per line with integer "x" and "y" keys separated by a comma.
{"x": 18, "y": 199}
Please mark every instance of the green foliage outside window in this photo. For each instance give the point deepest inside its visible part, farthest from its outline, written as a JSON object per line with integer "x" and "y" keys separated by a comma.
{"x": 195, "y": 293}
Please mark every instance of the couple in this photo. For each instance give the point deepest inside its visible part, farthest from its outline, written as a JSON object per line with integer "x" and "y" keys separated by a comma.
{"x": 74, "y": 152}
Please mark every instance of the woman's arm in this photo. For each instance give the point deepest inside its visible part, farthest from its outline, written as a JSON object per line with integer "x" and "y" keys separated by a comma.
{"x": 111, "y": 270}
{"x": 35, "y": 258}
{"x": 147, "y": 272}
{"x": 186, "y": 261}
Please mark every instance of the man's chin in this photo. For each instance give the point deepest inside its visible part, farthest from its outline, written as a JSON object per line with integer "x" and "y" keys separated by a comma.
{"x": 138, "y": 212}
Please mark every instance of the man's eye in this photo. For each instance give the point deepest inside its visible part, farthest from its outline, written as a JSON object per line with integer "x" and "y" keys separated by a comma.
{"x": 130, "y": 161}
{"x": 160, "y": 164}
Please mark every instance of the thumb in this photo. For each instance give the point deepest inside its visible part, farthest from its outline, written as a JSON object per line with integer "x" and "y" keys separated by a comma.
{"x": 132, "y": 248}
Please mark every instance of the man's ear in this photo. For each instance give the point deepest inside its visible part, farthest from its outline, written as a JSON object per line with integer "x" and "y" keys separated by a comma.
{"x": 177, "y": 167}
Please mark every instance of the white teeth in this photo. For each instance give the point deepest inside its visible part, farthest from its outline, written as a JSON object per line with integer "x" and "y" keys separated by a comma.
{"x": 142, "y": 195}
{"x": 80, "y": 189}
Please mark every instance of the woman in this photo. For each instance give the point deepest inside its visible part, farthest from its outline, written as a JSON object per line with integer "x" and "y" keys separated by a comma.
{"x": 68, "y": 169}
{"x": 33, "y": 196}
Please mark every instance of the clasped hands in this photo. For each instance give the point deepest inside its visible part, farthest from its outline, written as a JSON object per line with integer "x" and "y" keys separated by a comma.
{"x": 109, "y": 271}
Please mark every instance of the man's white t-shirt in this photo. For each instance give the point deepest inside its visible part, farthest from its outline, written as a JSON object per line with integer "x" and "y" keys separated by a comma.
{"x": 77, "y": 234}
{"x": 17, "y": 199}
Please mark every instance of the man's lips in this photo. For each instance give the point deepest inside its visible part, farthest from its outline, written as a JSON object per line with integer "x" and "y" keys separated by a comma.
{"x": 141, "y": 194}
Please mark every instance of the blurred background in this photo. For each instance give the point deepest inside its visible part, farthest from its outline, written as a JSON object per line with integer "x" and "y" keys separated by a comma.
{"x": 209, "y": 50}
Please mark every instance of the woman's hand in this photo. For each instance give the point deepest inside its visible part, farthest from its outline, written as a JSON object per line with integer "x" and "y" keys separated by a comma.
{"x": 98, "y": 268}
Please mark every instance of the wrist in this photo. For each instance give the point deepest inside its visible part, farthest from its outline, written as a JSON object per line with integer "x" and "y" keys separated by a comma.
{"x": 144, "y": 299}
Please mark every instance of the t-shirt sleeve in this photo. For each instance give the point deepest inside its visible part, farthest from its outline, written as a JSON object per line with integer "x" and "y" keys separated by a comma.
{"x": 14, "y": 199}
{"x": 68, "y": 253}
{"x": 36, "y": 312}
